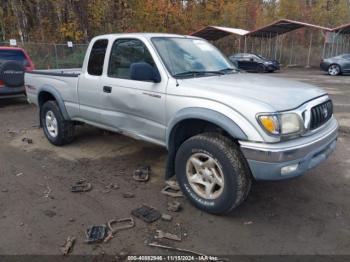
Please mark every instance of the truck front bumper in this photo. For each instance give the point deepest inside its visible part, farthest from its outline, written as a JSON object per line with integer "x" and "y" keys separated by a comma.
{"x": 290, "y": 158}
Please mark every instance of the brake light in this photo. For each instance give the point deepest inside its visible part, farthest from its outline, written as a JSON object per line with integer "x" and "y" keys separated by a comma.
{"x": 2, "y": 83}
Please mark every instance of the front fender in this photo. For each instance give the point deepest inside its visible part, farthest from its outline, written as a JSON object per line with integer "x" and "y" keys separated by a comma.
{"x": 208, "y": 115}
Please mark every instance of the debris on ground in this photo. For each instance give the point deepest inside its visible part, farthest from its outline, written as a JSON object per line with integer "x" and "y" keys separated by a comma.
{"x": 49, "y": 213}
{"x": 27, "y": 140}
{"x": 47, "y": 192}
{"x": 122, "y": 256}
{"x": 68, "y": 246}
{"x": 166, "y": 217}
{"x": 116, "y": 225}
{"x": 248, "y": 223}
{"x": 96, "y": 234}
{"x": 128, "y": 195}
{"x": 108, "y": 237}
{"x": 109, "y": 188}
{"x": 142, "y": 174}
{"x": 174, "y": 206}
{"x": 172, "y": 189}
{"x": 21, "y": 224}
{"x": 81, "y": 186}
{"x": 19, "y": 174}
{"x": 146, "y": 213}
{"x": 160, "y": 234}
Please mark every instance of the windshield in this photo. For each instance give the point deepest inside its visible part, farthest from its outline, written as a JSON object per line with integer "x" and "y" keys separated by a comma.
{"x": 191, "y": 57}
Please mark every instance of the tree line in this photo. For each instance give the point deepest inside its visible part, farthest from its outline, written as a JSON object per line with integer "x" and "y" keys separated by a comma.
{"x": 80, "y": 20}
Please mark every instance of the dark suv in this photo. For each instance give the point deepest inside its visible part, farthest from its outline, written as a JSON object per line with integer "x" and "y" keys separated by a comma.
{"x": 14, "y": 62}
{"x": 253, "y": 62}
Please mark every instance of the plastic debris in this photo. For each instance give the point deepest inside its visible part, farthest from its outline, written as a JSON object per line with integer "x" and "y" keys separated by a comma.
{"x": 68, "y": 246}
{"x": 96, "y": 234}
{"x": 120, "y": 224}
{"x": 174, "y": 206}
{"x": 142, "y": 174}
{"x": 81, "y": 186}
{"x": 160, "y": 234}
{"x": 166, "y": 217}
{"x": 147, "y": 214}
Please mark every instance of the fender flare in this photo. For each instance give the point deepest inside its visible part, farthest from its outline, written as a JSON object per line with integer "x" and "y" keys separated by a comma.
{"x": 209, "y": 115}
{"x": 53, "y": 91}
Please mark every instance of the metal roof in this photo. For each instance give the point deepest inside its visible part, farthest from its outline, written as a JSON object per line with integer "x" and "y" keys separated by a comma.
{"x": 283, "y": 26}
{"x": 217, "y": 32}
{"x": 343, "y": 29}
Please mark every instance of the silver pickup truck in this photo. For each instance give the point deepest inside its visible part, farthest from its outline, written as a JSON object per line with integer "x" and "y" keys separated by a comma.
{"x": 222, "y": 128}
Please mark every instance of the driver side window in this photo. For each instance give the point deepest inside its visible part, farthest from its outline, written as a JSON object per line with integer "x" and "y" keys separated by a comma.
{"x": 124, "y": 53}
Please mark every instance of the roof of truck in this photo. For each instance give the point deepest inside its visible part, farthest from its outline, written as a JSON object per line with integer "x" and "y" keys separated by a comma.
{"x": 147, "y": 35}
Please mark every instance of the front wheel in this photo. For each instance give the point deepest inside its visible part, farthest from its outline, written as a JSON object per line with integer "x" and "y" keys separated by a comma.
{"x": 212, "y": 173}
{"x": 334, "y": 70}
{"x": 57, "y": 130}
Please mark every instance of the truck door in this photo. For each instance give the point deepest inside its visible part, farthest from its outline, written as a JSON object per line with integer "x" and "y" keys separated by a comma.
{"x": 89, "y": 86}
{"x": 136, "y": 107}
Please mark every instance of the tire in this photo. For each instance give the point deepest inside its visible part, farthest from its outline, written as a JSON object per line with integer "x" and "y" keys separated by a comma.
{"x": 12, "y": 73}
{"x": 56, "y": 129}
{"x": 230, "y": 165}
{"x": 334, "y": 70}
{"x": 261, "y": 68}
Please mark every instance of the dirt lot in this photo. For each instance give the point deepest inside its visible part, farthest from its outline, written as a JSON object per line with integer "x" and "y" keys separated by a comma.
{"x": 307, "y": 215}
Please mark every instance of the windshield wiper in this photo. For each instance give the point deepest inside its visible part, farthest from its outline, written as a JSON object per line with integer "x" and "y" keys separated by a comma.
{"x": 229, "y": 69}
{"x": 195, "y": 73}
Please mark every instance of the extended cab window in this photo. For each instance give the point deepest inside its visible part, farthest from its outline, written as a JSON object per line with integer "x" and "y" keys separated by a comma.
{"x": 97, "y": 57}
{"x": 124, "y": 53}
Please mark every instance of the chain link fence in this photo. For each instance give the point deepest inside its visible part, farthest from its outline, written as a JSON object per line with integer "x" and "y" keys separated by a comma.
{"x": 50, "y": 56}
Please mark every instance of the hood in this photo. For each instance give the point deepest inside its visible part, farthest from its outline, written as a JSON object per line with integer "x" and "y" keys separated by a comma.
{"x": 278, "y": 93}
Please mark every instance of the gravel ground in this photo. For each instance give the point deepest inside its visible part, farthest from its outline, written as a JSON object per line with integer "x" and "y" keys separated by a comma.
{"x": 307, "y": 215}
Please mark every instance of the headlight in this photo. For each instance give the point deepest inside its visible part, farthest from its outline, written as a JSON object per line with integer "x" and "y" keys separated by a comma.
{"x": 281, "y": 124}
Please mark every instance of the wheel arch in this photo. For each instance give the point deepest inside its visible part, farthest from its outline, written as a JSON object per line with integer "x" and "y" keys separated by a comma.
{"x": 192, "y": 121}
{"x": 47, "y": 93}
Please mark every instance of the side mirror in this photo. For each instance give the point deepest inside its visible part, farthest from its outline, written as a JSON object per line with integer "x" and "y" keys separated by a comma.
{"x": 144, "y": 72}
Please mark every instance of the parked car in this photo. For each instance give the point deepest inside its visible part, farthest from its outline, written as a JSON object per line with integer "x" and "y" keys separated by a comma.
{"x": 221, "y": 128}
{"x": 253, "y": 62}
{"x": 13, "y": 63}
{"x": 336, "y": 65}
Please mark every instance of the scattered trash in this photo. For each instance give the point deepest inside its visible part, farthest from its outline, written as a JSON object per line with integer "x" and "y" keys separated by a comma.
{"x": 173, "y": 185}
{"x": 160, "y": 234}
{"x": 27, "y": 140}
{"x": 248, "y": 223}
{"x": 20, "y": 174}
{"x": 166, "y": 217}
{"x": 96, "y": 234}
{"x": 174, "y": 206}
{"x": 142, "y": 174}
{"x": 68, "y": 246}
{"x": 147, "y": 214}
{"x": 109, "y": 188}
{"x": 123, "y": 223}
{"x": 170, "y": 191}
{"x": 81, "y": 186}
{"x": 128, "y": 195}
{"x": 47, "y": 192}
{"x": 108, "y": 237}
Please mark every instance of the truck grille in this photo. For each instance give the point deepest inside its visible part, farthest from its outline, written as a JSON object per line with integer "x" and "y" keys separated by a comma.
{"x": 320, "y": 114}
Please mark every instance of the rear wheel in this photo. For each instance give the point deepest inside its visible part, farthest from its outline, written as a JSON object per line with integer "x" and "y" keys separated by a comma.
{"x": 212, "y": 173}
{"x": 56, "y": 129}
{"x": 261, "y": 68}
{"x": 334, "y": 70}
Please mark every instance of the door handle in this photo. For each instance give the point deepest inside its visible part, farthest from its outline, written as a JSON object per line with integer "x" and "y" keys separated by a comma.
{"x": 107, "y": 89}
